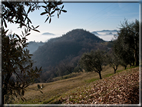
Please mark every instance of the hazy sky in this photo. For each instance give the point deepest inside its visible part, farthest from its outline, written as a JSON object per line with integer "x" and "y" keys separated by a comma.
{"x": 88, "y": 16}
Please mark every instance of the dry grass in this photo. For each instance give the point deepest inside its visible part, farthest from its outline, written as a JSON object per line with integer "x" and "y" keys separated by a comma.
{"x": 54, "y": 90}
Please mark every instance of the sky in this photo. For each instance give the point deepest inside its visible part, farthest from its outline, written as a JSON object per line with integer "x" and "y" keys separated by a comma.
{"x": 87, "y": 16}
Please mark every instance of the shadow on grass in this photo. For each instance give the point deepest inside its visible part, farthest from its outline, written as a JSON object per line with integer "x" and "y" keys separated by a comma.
{"x": 91, "y": 80}
{"x": 50, "y": 101}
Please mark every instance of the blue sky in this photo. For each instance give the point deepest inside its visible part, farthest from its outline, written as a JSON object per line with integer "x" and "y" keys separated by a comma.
{"x": 88, "y": 16}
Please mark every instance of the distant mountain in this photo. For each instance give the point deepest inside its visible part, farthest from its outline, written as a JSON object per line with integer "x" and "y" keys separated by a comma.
{"x": 67, "y": 47}
{"x": 33, "y": 46}
{"x": 107, "y": 31}
{"x": 95, "y": 33}
{"x": 107, "y": 35}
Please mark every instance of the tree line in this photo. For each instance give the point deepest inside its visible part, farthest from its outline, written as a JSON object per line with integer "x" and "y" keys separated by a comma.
{"x": 125, "y": 51}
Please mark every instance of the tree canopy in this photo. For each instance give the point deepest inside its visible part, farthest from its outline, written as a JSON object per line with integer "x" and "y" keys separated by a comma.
{"x": 15, "y": 12}
{"x": 113, "y": 60}
{"x": 93, "y": 61}
{"x": 127, "y": 44}
{"x": 17, "y": 66}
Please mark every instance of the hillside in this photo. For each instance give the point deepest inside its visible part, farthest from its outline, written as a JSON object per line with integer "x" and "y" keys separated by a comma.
{"x": 67, "y": 49}
{"x": 33, "y": 46}
{"x": 121, "y": 88}
{"x": 87, "y": 88}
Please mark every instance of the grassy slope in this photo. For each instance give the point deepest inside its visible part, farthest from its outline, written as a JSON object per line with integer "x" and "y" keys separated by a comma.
{"x": 63, "y": 91}
{"x": 120, "y": 88}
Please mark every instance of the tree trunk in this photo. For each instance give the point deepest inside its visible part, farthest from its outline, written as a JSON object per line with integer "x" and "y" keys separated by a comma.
{"x": 125, "y": 67}
{"x": 137, "y": 60}
{"x": 130, "y": 64}
{"x": 2, "y": 98}
{"x": 136, "y": 53}
{"x": 3, "y": 93}
{"x": 133, "y": 63}
{"x": 5, "y": 86}
{"x": 100, "y": 74}
{"x": 114, "y": 70}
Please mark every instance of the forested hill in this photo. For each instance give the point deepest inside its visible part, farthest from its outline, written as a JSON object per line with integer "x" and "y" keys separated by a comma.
{"x": 33, "y": 46}
{"x": 80, "y": 35}
{"x": 68, "y": 48}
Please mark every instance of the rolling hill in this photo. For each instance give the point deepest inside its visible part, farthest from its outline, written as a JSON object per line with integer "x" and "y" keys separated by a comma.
{"x": 68, "y": 49}
{"x": 33, "y": 46}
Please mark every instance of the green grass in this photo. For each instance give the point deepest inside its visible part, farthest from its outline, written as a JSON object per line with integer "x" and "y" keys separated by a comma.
{"x": 131, "y": 67}
{"x": 119, "y": 71}
{"x": 109, "y": 75}
{"x": 91, "y": 80}
{"x": 127, "y": 68}
{"x": 50, "y": 100}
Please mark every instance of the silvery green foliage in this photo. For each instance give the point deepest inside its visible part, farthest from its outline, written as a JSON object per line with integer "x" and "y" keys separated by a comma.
{"x": 15, "y": 60}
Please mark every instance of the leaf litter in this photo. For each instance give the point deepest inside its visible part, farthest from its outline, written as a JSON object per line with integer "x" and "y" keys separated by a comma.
{"x": 121, "y": 88}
